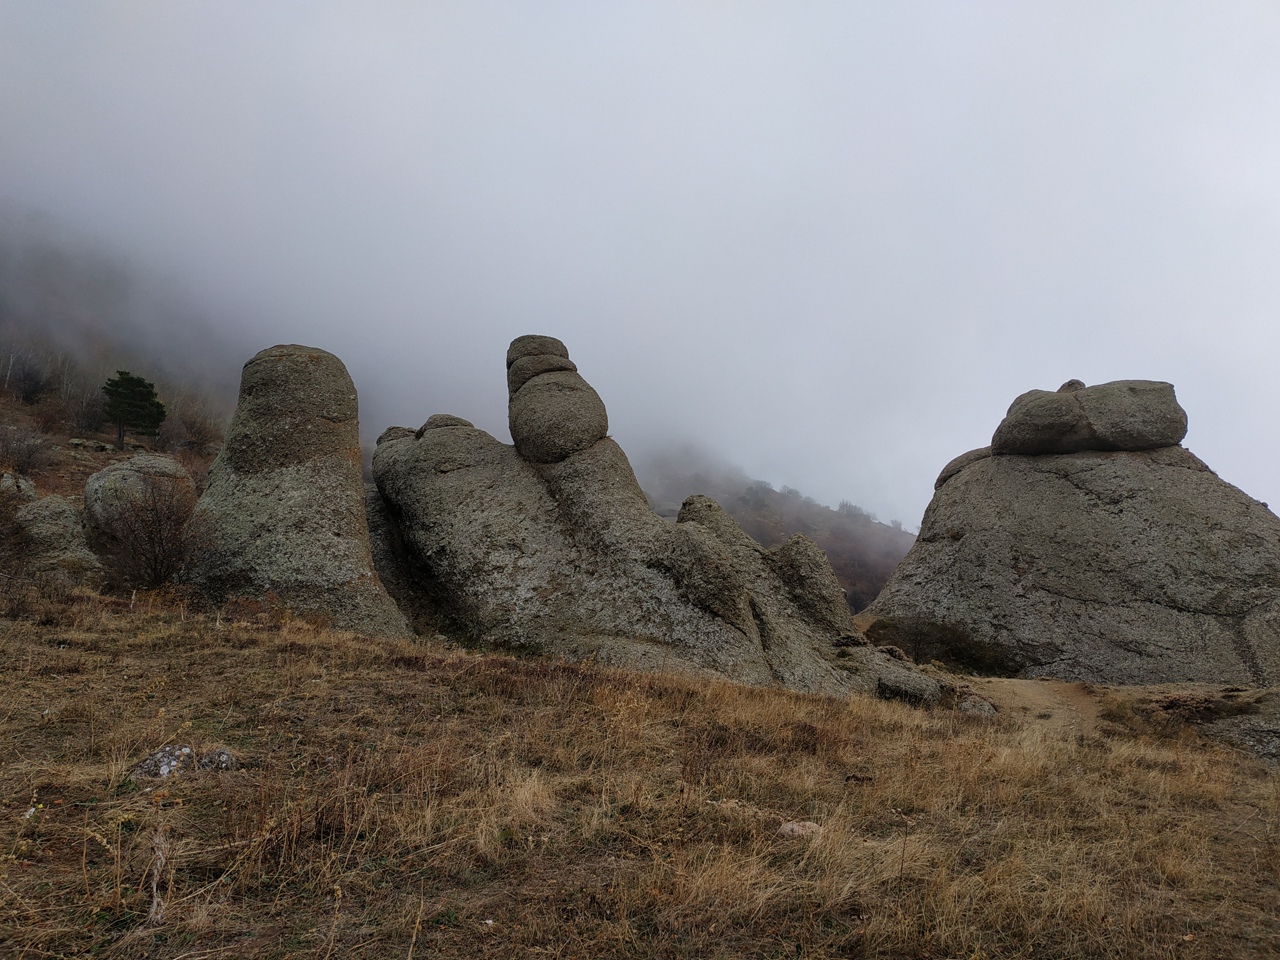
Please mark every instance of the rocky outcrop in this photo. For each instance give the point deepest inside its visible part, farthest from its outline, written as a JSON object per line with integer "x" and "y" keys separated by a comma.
{"x": 1126, "y": 560}
{"x": 284, "y": 511}
{"x": 551, "y": 544}
{"x": 53, "y": 542}
{"x": 17, "y": 487}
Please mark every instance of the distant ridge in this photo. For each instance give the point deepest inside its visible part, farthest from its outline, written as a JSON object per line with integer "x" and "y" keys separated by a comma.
{"x": 862, "y": 551}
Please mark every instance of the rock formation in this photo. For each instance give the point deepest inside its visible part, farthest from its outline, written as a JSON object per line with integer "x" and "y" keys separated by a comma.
{"x": 284, "y": 511}
{"x": 53, "y": 542}
{"x": 1086, "y": 544}
{"x": 16, "y": 486}
{"x": 551, "y": 544}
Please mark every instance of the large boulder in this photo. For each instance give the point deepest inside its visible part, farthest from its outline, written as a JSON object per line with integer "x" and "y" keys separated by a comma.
{"x": 551, "y": 544}
{"x": 53, "y": 542}
{"x": 284, "y": 509}
{"x": 1108, "y": 565}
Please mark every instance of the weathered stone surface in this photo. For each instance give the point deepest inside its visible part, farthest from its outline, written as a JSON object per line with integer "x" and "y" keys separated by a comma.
{"x": 17, "y": 486}
{"x": 1121, "y": 415}
{"x": 551, "y": 544}
{"x": 284, "y": 509}
{"x": 54, "y": 544}
{"x": 807, "y": 576}
{"x": 117, "y": 496}
{"x": 439, "y": 420}
{"x": 959, "y": 463}
{"x": 526, "y": 368}
{"x": 554, "y": 415}
{"x": 1122, "y": 567}
{"x": 534, "y": 345}
{"x": 409, "y": 584}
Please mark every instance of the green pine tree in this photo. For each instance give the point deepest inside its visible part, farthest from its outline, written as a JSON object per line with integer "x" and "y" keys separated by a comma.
{"x": 132, "y": 404}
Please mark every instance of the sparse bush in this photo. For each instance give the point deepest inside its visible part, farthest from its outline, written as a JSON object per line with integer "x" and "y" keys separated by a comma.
{"x": 153, "y": 539}
{"x": 24, "y": 450}
{"x": 50, "y": 416}
{"x": 82, "y": 405}
{"x": 190, "y": 428}
{"x": 30, "y": 378}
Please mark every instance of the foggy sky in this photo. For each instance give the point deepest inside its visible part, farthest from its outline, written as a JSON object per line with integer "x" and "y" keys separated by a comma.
{"x": 829, "y": 241}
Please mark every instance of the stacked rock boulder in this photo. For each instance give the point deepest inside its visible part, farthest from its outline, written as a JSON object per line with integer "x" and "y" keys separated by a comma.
{"x": 550, "y": 544}
{"x": 1087, "y": 544}
{"x": 283, "y": 512}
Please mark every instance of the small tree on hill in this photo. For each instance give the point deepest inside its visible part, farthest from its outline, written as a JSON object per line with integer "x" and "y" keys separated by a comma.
{"x": 132, "y": 404}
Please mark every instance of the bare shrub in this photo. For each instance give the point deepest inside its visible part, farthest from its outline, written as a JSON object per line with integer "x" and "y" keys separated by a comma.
{"x": 30, "y": 378}
{"x": 50, "y": 416}
{"x": 190, "y": 428}
{"x": 82, "y": 405}
{"x": 24, "y": 450}
{"x": 153, "y": 538}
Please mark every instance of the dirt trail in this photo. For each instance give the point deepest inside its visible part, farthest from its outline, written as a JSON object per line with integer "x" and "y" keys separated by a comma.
{"x": 1054, "y": 705}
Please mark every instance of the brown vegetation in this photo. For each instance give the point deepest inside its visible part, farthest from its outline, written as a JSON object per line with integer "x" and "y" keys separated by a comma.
{"x": 406, "y": 799}
{"x": 152, "y": 538}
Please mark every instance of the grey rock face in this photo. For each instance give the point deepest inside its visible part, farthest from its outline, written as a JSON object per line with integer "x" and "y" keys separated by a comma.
{"x": 54, "y": 543}
{"x": 551, "y": 544}
{"x": 284, "y": 509}
{"x": 1122, "y": 415}
{"x": 1103, "y": 566}
{"x": 116, "y": 494}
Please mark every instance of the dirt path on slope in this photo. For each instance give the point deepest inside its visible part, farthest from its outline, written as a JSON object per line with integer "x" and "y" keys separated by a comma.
{"x": 1054, "y": 705}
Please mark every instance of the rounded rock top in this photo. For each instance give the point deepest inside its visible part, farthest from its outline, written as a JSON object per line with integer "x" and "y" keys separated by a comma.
{"x": 1129, "y": 415}
{"x": 534, "y": 345}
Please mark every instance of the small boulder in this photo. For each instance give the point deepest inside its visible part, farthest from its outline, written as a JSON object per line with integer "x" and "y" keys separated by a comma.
{"x": 552, "y": 411}
{"x": 180, "y": 758}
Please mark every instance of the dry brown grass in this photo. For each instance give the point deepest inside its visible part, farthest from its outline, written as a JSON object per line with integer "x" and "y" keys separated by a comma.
{"x": 408, "y": 800}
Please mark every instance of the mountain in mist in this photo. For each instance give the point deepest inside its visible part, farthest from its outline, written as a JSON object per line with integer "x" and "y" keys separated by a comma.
{"x": 863, "y": 551}
{"x": 68, "y": 302}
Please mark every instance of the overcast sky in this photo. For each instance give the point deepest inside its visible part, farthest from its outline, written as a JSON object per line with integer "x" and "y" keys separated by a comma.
{"x": 830, "y": 241}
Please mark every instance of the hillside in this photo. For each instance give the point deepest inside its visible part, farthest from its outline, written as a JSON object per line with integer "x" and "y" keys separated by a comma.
{"x": 72, "y": 314}
{"x": 863, "y": 551}
{"x": 409, "y": 799}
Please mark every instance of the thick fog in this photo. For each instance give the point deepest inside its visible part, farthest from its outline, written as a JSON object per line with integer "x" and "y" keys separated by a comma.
{"x": 827, "y": 241}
